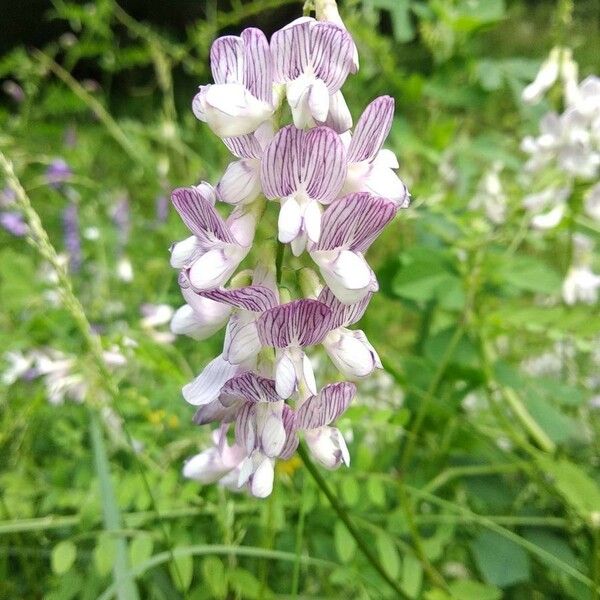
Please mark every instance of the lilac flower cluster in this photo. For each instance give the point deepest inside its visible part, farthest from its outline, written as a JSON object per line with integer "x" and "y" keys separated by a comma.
{"x": 336, "y": 191}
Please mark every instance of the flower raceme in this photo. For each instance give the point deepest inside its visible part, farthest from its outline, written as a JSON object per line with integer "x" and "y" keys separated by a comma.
{"x": 336, "y": 192}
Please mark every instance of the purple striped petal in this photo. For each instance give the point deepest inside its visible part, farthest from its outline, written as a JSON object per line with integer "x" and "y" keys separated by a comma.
{"x": 343, "y": 314}
{"x": 249, "y": 387}
{"x": 371, "y": 130}
{"x": 254, "y": 298}
{"x": 332, "y": 50}
{"x": 207, "y": 386}
{"x": 215, "y": 412}
{"x": 245, "y": 427}
{"x": 326, "y": 406}
{"x": 258, "y": 65}
{"x": 311, "y": 160}
{"x": 200, "y": 215}
{"x": 244, "y": 146}
{"x": 298, "y": 323}
{"x": 354, "y": 221}
{"x": 288, "y": 417}
{"x": 323, "y": 48}
{"x": 227, "y": 59}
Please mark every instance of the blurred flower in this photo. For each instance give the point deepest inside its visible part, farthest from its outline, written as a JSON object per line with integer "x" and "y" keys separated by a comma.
{"x": 13, "y": 223}
{"x": 125, "y": 270}
{"x": 91, "y": 233}
{"x": 18, "y": 364}
{"x": 154, "y": 317}
{"x": 559, "y": 64}
{"x": 14, "y": 90}
{"x": 71, "y": 236}
{"x": 592, "y": 202}
{"x": 162, "y": 208}
{"x": 58, "y": 172}
{"x": 121, "y": 216}
{"x": 581, "y": 285}
{"x": 70, "y": 137}
{"x": 490, "y": 196}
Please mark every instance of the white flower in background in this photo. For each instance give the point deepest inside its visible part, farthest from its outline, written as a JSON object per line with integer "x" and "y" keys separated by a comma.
{"x": 156, "y": 316}
{"x": 490, "y": 196}
{"x": 581, "y": 283}
{"x": 558, "y": 65}
{"x": 125, "y": 270}
{"x": 17, "y": 365}
{"x": 591, "y": 202}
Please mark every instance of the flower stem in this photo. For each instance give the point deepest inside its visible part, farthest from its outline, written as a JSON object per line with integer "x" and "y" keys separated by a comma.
{"x": 345, "y": 518}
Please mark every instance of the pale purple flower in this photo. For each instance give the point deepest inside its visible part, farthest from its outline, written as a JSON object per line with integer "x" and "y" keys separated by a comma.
{"x": 350, "y": 225}
{"x": 121, "y": 216}
{"x": 72, "y": 238}
{"x": 58, "y": 172}
{"x": 336, "y": 192}
{"x": 161, "y": 208}
{"x": 241, "y": 99}
{"x": 217, "y": 463}
{"x": 304, "y": 170}
{"x": 313, "y": 59}
{"x": 313, "y": 418}
{"x": 14, "y": 90}
{"x": 13, "y": 222}
{"x": 217, "y": 246}
{"x": 370, "y": 167}
{"x": 349, "y": 350}
{"x": 289, "y": 328}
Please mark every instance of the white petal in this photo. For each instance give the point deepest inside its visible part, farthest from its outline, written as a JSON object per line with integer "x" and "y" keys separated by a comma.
{"x": 346, "y": 273}
{"x": 262, "y": 480}
{"x": 318, "y": 100}
{"x": 212, "y": 270}
{"x": 290, "y": 220}
{"x": 230, "y": 109}
{"x": 200, "y": 325}
{"x": 382, "y": 181}
{"x": 339, "y": 117}
{"x": 240, "y": 183}
{"x": 183, "y": 251}
{"x": 207, "y": 386}
{"x": 309, "y": 375}
{"x": 386, "y": 158}
{"x": 285, "y": 375}
{"x": 241, "y": 338}
{"x": 273, "y": 435}
{"x": 351, "y": 352}
{"x": 328, "y": 447}
{"x": 550, "y": 219}
{"x": 312, "y": 220}
{"x": 205, "y": 467}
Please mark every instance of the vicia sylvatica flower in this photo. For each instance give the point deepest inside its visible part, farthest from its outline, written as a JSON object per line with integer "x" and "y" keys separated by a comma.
{"x": 313, "y": 59}
{"x": 336, "y": 192}
{"x": 241, "y": 99}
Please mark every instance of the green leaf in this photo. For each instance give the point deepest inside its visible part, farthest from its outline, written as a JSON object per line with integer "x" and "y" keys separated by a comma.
{"x": 104, "y": 554}
{"x": 63, "y": 556}
{"x": 214, "y": 575}
{"x": 388, "y": 554}
{"x": 376, "y": 491}
{"x": 426, "y": 275}
{"x": 529, "y": 274}
{"x": 577, "y": 488}
{"x": 345, "y": 544}
{"x": 350, "y": 490}
{"x": 465, "y": 589}
{"x": 140, "y": 549}
{"x": 412, "y": 575}
{"x": 244, "y": 583}
{"x": 500, "y": 561}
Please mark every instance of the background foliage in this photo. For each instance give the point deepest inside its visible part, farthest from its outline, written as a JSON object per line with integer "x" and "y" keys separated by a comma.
{"x": 475, "y": 468}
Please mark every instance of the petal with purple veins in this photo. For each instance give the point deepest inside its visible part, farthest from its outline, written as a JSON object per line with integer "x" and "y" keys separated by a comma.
{"x": 326, "y": 406}
{"x": 371, "y": 130}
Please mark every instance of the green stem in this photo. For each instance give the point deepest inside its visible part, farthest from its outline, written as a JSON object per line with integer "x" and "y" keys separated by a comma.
{"x": 299, "y": 537}
{"x": 345, "y": 518}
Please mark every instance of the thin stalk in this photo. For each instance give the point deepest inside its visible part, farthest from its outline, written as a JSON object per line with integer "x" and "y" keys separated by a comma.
{"x": 299, "y": 538}
{"x": 41, "y": 241}
{"x": 345, "y": 518}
